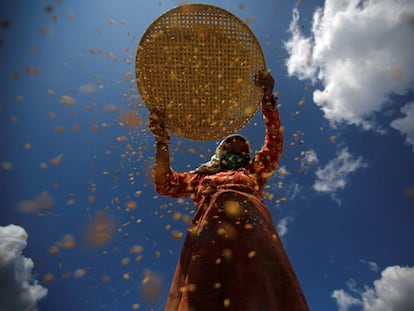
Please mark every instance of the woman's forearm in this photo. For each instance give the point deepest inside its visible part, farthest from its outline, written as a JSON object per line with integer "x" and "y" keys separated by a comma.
{"x": 266, "y": 160}
{"x": 162, "y": 162}
{"x": 166, "y": 181}
{"x": 274, "y": 135}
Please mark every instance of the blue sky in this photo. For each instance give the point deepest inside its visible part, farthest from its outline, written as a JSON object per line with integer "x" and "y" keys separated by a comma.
{"x": 72, "y": 169}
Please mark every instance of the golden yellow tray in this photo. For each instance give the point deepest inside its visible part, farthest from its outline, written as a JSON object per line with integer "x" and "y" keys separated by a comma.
{"x": 197, "y": 62}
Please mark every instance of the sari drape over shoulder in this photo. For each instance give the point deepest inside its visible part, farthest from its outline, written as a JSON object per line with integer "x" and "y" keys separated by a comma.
{"x": 232, "y": 258}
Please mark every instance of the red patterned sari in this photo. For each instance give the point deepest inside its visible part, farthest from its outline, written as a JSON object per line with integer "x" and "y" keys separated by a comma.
{"x": 232, "y": 258}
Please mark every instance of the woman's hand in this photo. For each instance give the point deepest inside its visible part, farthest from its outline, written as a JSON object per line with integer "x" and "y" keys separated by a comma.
{"x": 156, "y": 124}
{"x": 265, "y": 81}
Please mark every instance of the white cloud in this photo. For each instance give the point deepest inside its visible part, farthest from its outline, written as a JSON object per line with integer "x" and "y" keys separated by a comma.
{"x": 334, "y": 175}
{"x": 300, "y": 48}
{"x": 345, "y": 300}
{"x": 406, "y": 125}
{"x": 18, "y": 290}
{"x": 373, "y": 266}
{"x": 282, "y": 225}
{"x": 394, "y": 291}
{"x": 310, "y": 157}
{"x": 293, "y": 191}
{"x": 361, "y": 52}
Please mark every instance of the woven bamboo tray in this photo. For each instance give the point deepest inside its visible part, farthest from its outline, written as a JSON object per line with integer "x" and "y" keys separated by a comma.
{"x": 197, "y": 62}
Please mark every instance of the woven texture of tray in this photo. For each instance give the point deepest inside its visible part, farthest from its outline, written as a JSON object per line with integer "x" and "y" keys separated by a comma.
{"x": 197, "y": 62}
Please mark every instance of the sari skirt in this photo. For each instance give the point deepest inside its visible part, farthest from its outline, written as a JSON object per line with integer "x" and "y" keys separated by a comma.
{"x": 233, "y": 259}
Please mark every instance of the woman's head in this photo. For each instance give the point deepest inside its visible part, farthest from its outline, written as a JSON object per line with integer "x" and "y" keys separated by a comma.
{"x": 236, "y": 152}
{"x": 231, "y": 154}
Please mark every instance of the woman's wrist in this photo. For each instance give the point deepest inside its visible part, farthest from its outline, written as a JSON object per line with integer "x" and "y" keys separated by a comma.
{"x": 269, "y": 101}
{"x": 267, "y": 96}
{"x": 162, "y": 139}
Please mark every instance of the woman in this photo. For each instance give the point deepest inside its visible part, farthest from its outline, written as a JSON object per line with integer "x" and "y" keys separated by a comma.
{"x": 232, "y": 258}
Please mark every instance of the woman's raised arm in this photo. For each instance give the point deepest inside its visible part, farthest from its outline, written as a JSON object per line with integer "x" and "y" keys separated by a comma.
{"x": 167, "y": 182}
